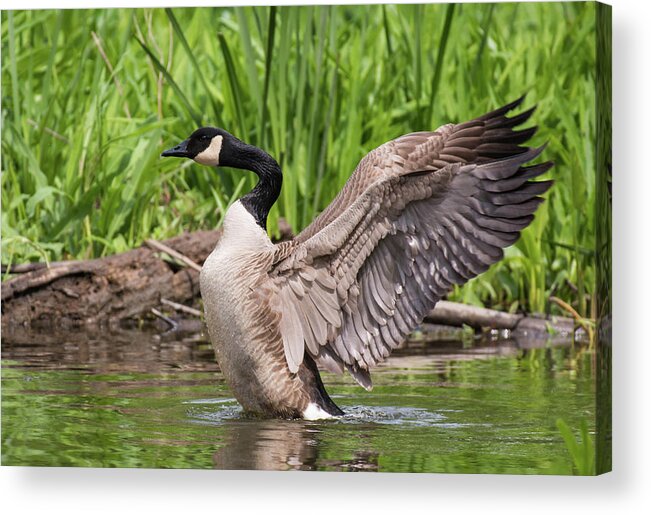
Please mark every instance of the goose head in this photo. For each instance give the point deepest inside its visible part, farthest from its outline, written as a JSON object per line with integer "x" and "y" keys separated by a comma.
{"x": 208, "y": 146}
{"x": 212, "y": 146}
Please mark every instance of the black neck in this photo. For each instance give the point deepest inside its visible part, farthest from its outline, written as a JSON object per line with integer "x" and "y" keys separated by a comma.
{"x": 259, "y": 200}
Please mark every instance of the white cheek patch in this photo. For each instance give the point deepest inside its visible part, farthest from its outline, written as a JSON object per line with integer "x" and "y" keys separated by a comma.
{"x": 210, "y": 156}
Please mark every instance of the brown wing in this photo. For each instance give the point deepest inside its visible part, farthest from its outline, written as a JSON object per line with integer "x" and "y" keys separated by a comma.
{"x": 486, "y": 138}
{"x": 353, "y": 291}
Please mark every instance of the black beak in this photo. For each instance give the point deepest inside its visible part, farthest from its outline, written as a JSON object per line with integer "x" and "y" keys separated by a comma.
{"x": 180, "y": 150}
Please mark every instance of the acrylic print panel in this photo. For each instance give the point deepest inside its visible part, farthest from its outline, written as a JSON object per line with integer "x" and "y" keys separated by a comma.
{"x": 106, "y": 358}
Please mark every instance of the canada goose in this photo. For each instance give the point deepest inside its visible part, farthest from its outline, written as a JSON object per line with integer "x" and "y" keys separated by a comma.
{"x": 419, "y": 214}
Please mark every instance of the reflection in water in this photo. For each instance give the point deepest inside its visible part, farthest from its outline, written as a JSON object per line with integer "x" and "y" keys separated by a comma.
{"x": 123, "y": 398}
{"x": 268, "y": 445}
{"x": 263, "y": 444}
{"x": 150, "y": 351}
{"x": 103, "y": 349}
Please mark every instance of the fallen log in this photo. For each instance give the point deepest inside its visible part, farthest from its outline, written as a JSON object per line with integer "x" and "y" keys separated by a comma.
{"x": 107, "y": 290}
{"x": 455, "y": 314}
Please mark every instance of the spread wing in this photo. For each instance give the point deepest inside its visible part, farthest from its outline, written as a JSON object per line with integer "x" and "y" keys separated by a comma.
{"x": 420, "y": 214}
{"x": 483, "y": 139}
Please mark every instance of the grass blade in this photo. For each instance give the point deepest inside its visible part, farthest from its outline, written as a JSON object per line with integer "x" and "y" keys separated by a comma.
{"x": 443, "y": 43}
{"x": 236, "y": 90}
{"x": 193, "y": 60}
{"x": 158, "y": 65}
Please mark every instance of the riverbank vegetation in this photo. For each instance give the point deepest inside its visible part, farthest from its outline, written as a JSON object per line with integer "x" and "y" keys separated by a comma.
{"x": 90, "y": 98}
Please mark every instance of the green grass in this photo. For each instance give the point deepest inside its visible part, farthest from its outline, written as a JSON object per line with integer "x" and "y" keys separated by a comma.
{"x": 90, "y": 98}
{"x": 582, "y": 451}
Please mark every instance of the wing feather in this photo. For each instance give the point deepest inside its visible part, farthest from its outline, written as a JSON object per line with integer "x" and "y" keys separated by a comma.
{"x": 291, "y": 328}
{"x": 419, "y": 214}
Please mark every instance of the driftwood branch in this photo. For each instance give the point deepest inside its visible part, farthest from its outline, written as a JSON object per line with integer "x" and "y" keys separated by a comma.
{"x": 156, "y": 245}
{"x": 173, "y": 325}
{"x": 453, "y": 313}
{"x": 181, "y": 308}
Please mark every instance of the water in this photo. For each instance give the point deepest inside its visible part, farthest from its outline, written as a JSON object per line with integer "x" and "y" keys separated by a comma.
{"x": 136, "y": 399}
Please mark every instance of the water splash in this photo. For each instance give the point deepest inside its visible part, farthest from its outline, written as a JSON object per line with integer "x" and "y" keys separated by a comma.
{"x": 214, "y": 411}
{"x": 391, "y": 415}
{"x": 218, "y": 411}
